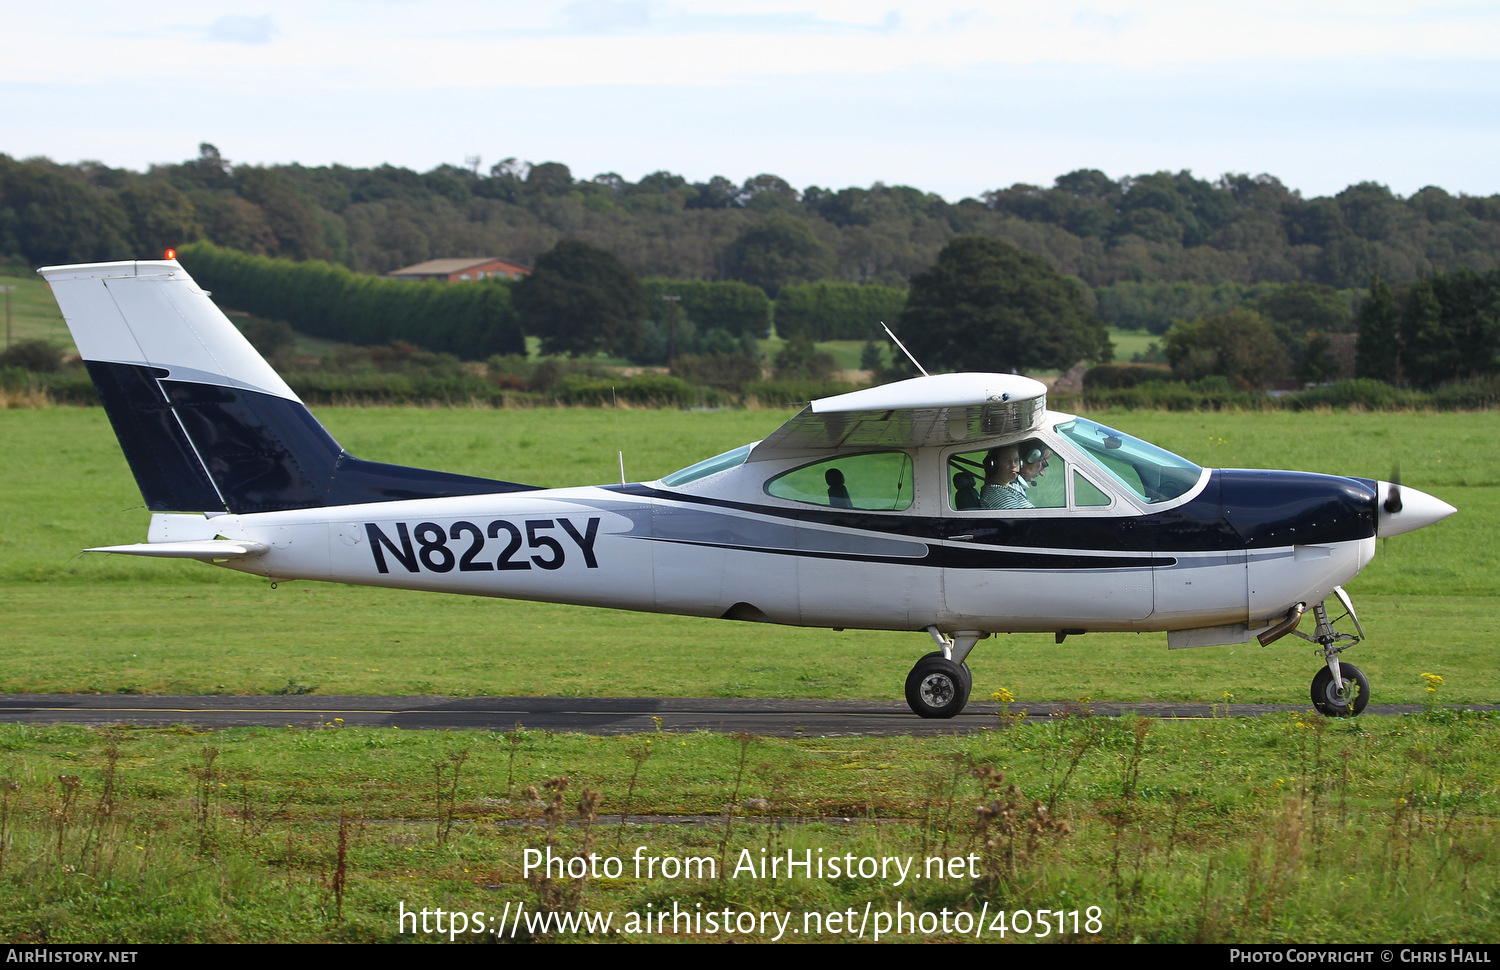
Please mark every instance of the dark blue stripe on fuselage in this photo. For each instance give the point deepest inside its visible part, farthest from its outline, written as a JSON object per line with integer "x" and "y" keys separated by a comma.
{"x": 958, "y": 557}
{"x": 1236, "y": 509}
{"x": 265, "y": 453}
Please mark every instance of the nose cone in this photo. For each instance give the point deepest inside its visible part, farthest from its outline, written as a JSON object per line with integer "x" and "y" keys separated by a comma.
{"x": 1413, "y": 509}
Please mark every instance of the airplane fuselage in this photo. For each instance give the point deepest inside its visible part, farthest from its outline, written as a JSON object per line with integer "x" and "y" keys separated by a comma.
{"x": 702, "y": 551}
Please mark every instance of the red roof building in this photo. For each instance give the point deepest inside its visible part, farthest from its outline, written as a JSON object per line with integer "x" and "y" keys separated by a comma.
{"x": 461, "y": 270}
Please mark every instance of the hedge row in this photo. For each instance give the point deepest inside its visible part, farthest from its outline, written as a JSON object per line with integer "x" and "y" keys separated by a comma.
{"x": 837, "y": 311}
{"x": 473, "y": 320}
{"x": 737, "y": 308}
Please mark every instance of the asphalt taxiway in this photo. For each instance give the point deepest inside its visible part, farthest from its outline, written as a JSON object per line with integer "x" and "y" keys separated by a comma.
{"x": 588, "y": 715}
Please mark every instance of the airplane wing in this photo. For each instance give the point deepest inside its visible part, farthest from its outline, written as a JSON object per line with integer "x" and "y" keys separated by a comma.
{"x": 924, "y": 411}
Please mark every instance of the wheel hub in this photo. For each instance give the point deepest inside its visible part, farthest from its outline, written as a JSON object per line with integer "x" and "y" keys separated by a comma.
{"x": 1338, "y": 694}
{"x": 938, "y": 689}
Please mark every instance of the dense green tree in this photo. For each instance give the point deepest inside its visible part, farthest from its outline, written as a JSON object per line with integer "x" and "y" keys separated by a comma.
{"x": 1237, "y": 344}
{"x": 160, "y": 216}
{"x": 580, "y": 300}
{"x": 1159, "y": 229}
{"x": 1378, "y": 349}
{"x": 986, "y": 305}
{"x": 549, "y": 178}
{"x": 55, "y": 216}
{"x": 777, "y": 251}
{"x": 1300, "y": 307}
{"x": 1317, "y": 365}
{"x": 288, "y": 214}
{"x": 1450, "y": 327}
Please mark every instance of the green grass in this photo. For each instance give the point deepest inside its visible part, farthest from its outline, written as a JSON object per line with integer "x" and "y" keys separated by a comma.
{"x": 1130, "y": 342}
{"x": 159, "y": 627}
{"x": 1286, "y": 828}
{"x": 1232, "y": 829}
{"x": 34, "y": 313}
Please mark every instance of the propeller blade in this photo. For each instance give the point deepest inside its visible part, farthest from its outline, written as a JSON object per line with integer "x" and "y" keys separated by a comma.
{"x": 1393, "y": 495}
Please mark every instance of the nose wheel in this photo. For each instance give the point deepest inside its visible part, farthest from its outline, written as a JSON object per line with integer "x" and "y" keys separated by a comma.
{"x": 1344, "y": 697}
{"x": 1339, "y": 689}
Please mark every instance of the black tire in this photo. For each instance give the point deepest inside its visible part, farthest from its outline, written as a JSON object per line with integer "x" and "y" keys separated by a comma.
{"x": 938, "y": 687}
{"x": 968, "y": 674}
{"x": 1328, "y": 700}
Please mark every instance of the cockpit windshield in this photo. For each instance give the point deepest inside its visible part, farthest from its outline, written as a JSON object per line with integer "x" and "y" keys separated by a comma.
{"x": 1153, "y": 474}
{"x": 709, "y": 466}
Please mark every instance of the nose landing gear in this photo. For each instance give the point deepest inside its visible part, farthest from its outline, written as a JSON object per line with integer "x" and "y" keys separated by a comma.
{"x": 1339, "y": 689}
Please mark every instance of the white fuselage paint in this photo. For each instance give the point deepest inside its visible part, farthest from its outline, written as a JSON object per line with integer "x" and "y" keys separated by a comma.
{"x": 664, "y": 550}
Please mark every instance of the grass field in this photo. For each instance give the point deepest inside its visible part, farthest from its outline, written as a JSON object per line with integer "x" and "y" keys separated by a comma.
{"x": 1290, "y": 828}
{"x": 1231, "y": 829}
{"x": 1130, "y": 342}
{"x": 131, "y": 625}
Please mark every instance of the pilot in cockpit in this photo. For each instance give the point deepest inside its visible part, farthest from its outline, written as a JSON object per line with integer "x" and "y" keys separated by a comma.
{"x": 1003, "y": 488}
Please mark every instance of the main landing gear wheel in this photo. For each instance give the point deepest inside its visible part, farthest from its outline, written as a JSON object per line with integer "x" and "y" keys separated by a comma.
{"x": 1340, "y": 700}
{"x": 937, "y": 687}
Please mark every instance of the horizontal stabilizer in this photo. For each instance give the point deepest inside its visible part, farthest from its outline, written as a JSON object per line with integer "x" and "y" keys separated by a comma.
{"x": 205, "y": 550}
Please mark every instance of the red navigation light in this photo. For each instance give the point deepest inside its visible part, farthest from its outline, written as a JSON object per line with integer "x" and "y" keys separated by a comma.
{"x": 171, "y": 254}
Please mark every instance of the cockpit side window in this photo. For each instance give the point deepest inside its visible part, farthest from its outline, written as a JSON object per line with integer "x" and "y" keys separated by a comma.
{"x": 878, "y": 481}
{"x": 1024, "y": 475}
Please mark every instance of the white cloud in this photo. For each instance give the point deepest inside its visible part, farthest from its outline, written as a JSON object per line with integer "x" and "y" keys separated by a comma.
{"x": 240, "y": 29}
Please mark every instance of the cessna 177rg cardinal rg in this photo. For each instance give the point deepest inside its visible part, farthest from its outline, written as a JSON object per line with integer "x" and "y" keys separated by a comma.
{"x": 955, "y": 504}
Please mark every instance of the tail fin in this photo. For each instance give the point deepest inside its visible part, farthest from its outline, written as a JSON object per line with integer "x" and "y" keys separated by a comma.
{"x": 205, "y": 423}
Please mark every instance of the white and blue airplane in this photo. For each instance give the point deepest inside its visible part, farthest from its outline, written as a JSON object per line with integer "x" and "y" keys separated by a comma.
{"x": 874, "y": 509}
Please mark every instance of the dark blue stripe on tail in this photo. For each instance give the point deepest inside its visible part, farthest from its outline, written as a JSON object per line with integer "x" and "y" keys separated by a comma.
{"x": 263, "y": 452}
{"x": 170, "y": 476}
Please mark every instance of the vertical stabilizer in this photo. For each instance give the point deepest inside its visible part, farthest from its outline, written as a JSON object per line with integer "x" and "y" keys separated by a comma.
{"x": 205, "y": 423}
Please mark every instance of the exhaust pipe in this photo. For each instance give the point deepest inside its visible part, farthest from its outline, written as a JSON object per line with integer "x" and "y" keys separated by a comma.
{"x": 1287, "y": 625}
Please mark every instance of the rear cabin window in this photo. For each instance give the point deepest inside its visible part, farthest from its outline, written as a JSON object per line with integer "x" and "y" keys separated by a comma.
{"x": 875, "y": 482}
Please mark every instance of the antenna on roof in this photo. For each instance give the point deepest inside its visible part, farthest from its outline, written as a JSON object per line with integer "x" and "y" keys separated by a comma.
{"x": 905, "y": 351}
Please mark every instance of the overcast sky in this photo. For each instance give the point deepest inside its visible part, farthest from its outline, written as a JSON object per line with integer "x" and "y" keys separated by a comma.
{"x": 954, "y": 98}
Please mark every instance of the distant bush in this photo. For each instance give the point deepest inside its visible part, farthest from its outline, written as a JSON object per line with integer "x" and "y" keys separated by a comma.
{"x": 788, "y": 393}
{"x": 270, "y": 338}
{"x": 1124, "y": 375}
{"x": 800, "y": 360}
{"x": 1366, "y": 393}
{"x": 1468, "y": 395}
{"x": 648, "y": 389}
{"x": 1208, "y": 394}
{"x": 728, "y": 371}
{"x": 37, "y": 356}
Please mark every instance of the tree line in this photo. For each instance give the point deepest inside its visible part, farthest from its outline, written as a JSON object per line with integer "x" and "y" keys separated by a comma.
{"x": 1159, "y": 228}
